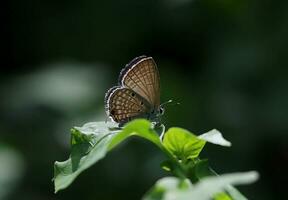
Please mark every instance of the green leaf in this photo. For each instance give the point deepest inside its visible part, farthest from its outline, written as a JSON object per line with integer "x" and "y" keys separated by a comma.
{"x": 81, "y": 145}
{"x": 97, "y": 130}
{"x": 164, "y": 185}
{"x": 202, "y": 170}
{"x": 65, "y": 172}
{"x": 234, "y": 193}
{"x": 138, "y": 127}
{"x": 91, "y": 143}
{"x": 210, "y": 186}
{"x": 215, "y": 137}
{"x": 222, "y": 196}
{"x": 207, "y": 188}
{"x": 182, "y": 144}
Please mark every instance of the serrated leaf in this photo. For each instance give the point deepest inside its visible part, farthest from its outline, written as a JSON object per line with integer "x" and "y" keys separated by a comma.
{"x": 182, "y": 144}
{"x": 215, "y": 137}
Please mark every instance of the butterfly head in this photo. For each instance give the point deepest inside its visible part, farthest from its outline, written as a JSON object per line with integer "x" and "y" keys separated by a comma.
{"x": 161, "y": 109}
{"x": 157, "y": 113}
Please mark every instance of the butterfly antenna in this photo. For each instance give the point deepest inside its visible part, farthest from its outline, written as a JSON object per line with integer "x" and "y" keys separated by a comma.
{"x": 169, "y": 103}
{"x": 166, "y": 102}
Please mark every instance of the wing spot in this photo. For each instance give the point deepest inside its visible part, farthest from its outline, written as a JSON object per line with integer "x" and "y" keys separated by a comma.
{"x": 133, "y": 94}
{"x": 141, "y": 103}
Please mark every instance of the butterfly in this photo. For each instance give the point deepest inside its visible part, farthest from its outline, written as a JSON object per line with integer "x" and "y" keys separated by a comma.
{"x": 137, "y": 94}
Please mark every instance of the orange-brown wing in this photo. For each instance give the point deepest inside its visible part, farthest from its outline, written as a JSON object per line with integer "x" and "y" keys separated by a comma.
{"x": 123, "y": 104}
{"x": 141, "y": 75}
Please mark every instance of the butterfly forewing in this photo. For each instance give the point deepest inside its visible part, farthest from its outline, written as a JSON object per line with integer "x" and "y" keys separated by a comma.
{"x": 141, "y": 75}
{"x": 123, "y": 104}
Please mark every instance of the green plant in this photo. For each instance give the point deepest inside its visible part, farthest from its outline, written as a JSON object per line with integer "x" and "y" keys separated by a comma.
{"x": 192, "y": 178}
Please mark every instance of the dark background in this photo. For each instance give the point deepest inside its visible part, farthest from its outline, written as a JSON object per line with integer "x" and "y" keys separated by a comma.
{"x": 224, "y": 61}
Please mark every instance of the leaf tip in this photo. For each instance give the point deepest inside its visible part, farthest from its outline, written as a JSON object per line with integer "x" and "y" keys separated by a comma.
{"x": 254, "y": 175}
{"x": 215, "y": 137}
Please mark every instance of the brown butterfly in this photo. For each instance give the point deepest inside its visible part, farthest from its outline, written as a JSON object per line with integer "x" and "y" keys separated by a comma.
{"x": 138, "y": 93}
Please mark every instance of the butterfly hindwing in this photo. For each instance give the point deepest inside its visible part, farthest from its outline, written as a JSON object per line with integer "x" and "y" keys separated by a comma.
{"x": 141, "y": 75}
{"x": 123, "y": 104}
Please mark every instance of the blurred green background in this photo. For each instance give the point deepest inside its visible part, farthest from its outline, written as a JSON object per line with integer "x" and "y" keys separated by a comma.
{"x": 224, "y": 61}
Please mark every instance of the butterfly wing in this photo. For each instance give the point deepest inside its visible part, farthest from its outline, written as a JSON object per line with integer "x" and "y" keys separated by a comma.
{"x": 123, "y": 104}
{"x": 141, "y": 75}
